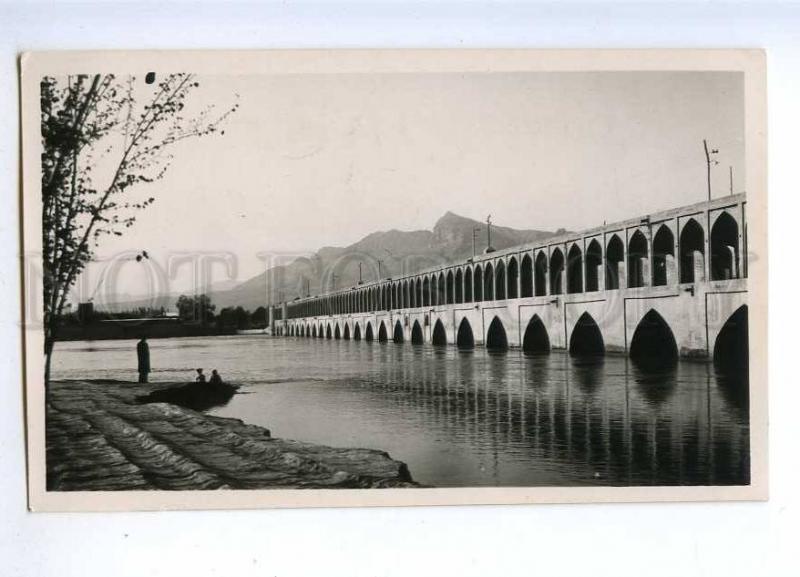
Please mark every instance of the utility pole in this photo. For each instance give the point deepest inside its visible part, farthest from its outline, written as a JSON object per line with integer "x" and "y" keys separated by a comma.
{"x": 489, "y": 247}
{"x": 709, "y": 153}
{"x": 379, "y": 268}
{"x": 334, "y": 276}
{"x": 360, "y": 280}
{"x": 730, "y": 168}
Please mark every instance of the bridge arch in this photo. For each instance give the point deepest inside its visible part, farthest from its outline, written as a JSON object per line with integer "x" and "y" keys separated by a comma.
{"x": 556, "y": 272}
{"x": 439, "y": 337}
{"x": 346, "y": 335}
{"x": 416, "y": 334}
{"x": 540, "y": 275}
{"x": 441, "y": 295}
{"x": 692, "y": 250}
{"x": 637, "y": 256}
{"x": 731, "y": 347}
{"x": 488, "y": 282}
{"x": 500, "y": 281}
{"x": 586, "y": 338}
{"x": 398, "y": 332}
{"x": 468, "y": 285}
{"x": 496, "y": 338}
{"x": 575, "y": 269}
{"x": 368, "y": 336}
{"x": 382, "y": 336}
{"x": 426, "y": 292}
{"x": 536, "y": 339}
{"x": 724, "y": 248}
{"x": 594, "y": 263}
{"x": 465, "y": 340}
{"x": 653, "y": 344}
{"x": 478, "y": 284}
{"x": 459, "y": 287}
{"x": 337, "y": 334}
{"x": 526, "y": 277}
{"x": 512, "y": 274}
{"x": 615, "y": 254}
{"x": 663, "y": 255}
{"x": 328, "y": 332}
{"x": 356, "y": 332}
{"x": 450, "y": 288}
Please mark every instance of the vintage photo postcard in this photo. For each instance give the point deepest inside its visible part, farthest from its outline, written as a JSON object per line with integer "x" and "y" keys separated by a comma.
{"x": 359, "y": 278}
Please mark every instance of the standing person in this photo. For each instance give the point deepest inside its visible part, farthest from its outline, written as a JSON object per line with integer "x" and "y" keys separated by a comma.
{"x": 143, "y": 353}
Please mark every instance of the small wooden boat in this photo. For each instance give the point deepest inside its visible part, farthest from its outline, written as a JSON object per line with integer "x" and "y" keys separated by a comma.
{"x": 195, "y": 396}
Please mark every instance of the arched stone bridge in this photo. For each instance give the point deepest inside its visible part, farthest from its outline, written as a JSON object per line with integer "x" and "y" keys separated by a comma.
{"x": 673, "y": 282}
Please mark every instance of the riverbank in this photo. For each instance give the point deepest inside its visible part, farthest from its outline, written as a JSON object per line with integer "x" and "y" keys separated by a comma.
{"x": 99, "y": 437}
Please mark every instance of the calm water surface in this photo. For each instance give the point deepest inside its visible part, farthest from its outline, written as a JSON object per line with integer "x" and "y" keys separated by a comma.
{"x": 466, "y": 418}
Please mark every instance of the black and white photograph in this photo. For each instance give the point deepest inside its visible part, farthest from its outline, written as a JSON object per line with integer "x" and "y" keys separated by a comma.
{"x": 354, "y": 273}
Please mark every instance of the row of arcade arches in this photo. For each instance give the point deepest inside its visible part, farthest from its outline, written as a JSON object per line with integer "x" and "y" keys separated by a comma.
{"x": 582, "y": 268}
{"x": 652, "y": 343}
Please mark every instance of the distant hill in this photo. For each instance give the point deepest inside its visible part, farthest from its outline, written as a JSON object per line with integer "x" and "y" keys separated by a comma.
{"x": 399, "y": 252}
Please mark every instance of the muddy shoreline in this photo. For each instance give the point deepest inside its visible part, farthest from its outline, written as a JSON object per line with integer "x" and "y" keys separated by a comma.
{"x": 100, "y": 437}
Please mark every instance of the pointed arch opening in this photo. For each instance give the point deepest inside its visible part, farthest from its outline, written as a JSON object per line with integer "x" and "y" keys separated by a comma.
{"x": 468, "y": 285}
{"x": 575, "y": 270}
{"x": 731, "y": 349}
{"x": 357, "y": 333}
{"x": 724, "y": 248}
{"x": 459, "y": 288}
{"x": 594, "y": 266}
{"x": 418, "y": 295}
{"x": 328, "y": 332}
{"x": 450, "y": 296}
{"x": 500, "y": 281}
{"x": 416, "y": 334}
{"x": 439, "y": 337}
{"x": 488, "y": 282}
{"x": 637, "y": 260}
{"x": 478, "y": 284}
{"x": 586, "y": 338}
{"x": 692, "y": 250}
{"x": 496, "y": 338}
{"x": 512, "y": 273}
{"x": 398, "y": 333}
{"x": 346, "y": 334}
{"x": 536, "y": 340}
{"x": 337, "y": 333}
{"x": 663, "y": 256}
{"x": 653, "y": 344}
{"x": 540, "y": 275}
{"x": 382, "y": 336}
{"x": 368, "y": 336}
{"x": 465, "y": 339}
{"x": 556, "y": 272}
{"x": 615, "y": 254}
{"x": 441, "y": 295}
{"x": 426, "y": 292}
{"x": 526, "y": 277}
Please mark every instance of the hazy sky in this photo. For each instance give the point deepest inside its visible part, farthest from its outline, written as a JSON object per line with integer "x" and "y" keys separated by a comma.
{"x": 322, "y": 160}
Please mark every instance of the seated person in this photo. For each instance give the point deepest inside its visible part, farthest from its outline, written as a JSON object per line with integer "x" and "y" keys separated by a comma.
{"x": 201, "y": 378}
{"x": 215, "y": 378}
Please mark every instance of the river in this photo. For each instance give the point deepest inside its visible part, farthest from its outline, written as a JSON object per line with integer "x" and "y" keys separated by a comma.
{"x": 466, "y": 418}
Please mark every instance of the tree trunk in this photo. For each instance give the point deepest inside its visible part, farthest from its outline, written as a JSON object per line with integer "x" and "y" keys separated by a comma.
{"x": 49, "y": 343}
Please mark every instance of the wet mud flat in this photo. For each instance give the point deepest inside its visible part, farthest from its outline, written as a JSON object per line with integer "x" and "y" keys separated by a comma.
{"x": 105, "y": 435}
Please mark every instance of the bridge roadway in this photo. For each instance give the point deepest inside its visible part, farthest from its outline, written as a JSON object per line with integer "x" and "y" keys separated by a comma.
{"x": 668, "y": 283}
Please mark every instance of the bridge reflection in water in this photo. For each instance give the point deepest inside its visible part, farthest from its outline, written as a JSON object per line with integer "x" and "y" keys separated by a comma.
{"x": 610, "y": 422}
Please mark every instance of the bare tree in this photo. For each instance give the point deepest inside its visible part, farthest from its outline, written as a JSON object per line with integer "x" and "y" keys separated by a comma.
{"x": 103, "y": 138}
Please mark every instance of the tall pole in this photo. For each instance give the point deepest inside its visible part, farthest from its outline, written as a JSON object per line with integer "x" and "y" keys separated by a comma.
{"x": 379, "y": 268}
{"x": 359, "y": 274}
{"x": 475, "y": 231}
{"x": 730, "y": 169}
{"x": 708, "y": 168}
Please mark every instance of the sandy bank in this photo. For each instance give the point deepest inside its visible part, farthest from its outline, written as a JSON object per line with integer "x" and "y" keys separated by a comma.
{"x": 100, "y": 438}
